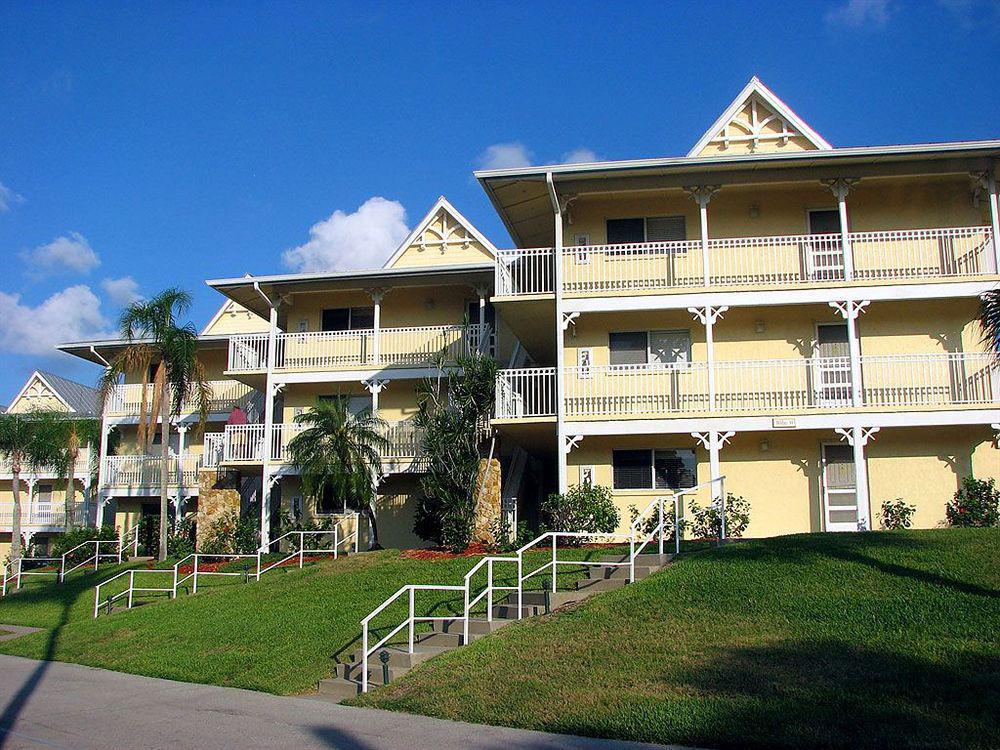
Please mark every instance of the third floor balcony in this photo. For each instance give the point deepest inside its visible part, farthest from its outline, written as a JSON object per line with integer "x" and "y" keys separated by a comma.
{"x": 125, "y": 400}
{"x": 768, "y": 262}
{"x": 416, "y": 347}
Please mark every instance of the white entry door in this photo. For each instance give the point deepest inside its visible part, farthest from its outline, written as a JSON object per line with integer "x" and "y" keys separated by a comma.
{"x": 840, "y": 495}
{"x": 832, "y": 366}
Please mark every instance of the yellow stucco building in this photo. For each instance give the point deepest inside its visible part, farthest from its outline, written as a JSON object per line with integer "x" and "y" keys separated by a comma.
{"x": 798, "y": 318}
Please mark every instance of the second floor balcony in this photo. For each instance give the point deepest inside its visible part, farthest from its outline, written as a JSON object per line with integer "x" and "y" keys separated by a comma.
{"x": 126, "y": 399}
{"x": 751, "y": 262}
{"x": 41, "y": 515}
{"x": 422, "y": 346}
{"x": 247, "y": 444}
{"x": 749, "y": 387}
{"x": 144, "y": 471}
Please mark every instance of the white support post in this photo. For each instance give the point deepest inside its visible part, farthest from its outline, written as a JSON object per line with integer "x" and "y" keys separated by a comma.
{"x": 557, "y": 250}
{"x": 181, "y": 447}
{"x": 375, "y": 386}
{"x": 991, "y": 187}
{"x": 713, "y": 441}
{"x": 31, "y": 480}
{"x": 709, "y": 315}
{"x": 850, "y": 310}
{"x": 702, "y": 195}
{"x": 376, "y": 353}
{"x": 840, "y": 188}
{"x": 270, "y": 391}
{"x": 858, "y": 438}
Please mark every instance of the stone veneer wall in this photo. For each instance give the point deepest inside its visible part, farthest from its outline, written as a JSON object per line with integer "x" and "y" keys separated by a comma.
{"x": 213, "y": 501}
{"x": 487, "y": 501}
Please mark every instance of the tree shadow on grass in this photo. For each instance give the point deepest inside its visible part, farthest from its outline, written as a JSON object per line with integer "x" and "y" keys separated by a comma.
{"x": 67, "y": 594}
{"x": 853, "y": 548}
{"x": 832, "y": 694}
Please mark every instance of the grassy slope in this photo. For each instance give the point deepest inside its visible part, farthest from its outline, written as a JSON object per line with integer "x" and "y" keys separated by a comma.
{"x": 280, "y": 635}
{"x": 837, "y": 641}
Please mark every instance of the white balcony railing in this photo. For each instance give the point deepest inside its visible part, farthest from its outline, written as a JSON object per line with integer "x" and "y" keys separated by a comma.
{"x": 526, "y": 392}
{"x": 125, "y": 400}
{"x": 46, "y": 472}
{"x": 144, "y": 471}
{"x": 330, "y": 350}
{"x": 761, "y": 386}
{"x": 51, "y": 514}
{"x": 245, "y": 443}
{"x": 214, "y": 450}
{"x": 750, "y": 261}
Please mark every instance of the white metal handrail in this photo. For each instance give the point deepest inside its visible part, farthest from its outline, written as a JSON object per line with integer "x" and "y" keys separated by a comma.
{"x": 410, "y": 623}
{"x": 94, "y": 558}
{"x": 526, "y": 392}
{"x": 524, "y": 272}
{"x": 302, "y": 551}
{"x": 14, "y": 571}
{"x": 132, "y": 588}
{"x": 487, "y": 593}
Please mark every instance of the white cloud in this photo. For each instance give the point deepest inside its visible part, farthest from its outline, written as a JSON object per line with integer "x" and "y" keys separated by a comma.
{"x": 580, "y": 156}
{"x": 67, "y": 253}
{"x": 363, "y": 239}
{"x": 123, "y": 291}
{"x": 505, "y": 156}
{"x": 8, "y": 198}
{"x": 859, "y": 13}
{"x": 74, "y": 314}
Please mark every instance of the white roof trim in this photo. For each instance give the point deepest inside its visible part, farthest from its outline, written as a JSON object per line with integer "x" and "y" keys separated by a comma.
{"x": 215, "y": 318}
{"x": 754, "y": 86}
{"x": 47, "y": 384}
{"x": 422, "y": 225}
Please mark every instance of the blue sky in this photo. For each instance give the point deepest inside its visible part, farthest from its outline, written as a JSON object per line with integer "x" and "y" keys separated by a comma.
{"x": 152, "y": 144}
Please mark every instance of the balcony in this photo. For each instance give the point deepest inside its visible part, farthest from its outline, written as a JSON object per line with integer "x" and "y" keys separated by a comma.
{"x": 733, "y": 263}
{"x": 47, "y": 472}
{"x": 40, "y": 515}
{"x": 245, "y": 443}
{"x": 656, "y": 391}
{"x": 143, "y": 472}
{"x": 422, "y": 346}
{"x": 125, "y": 400}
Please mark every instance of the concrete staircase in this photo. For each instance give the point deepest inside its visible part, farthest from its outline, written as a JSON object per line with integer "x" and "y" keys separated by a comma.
{"x": 447, "y": 635}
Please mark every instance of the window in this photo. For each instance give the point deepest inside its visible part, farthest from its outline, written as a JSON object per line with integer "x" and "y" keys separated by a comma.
{"x": 667, "y": 469}
{"x": 348, "y": 318}
{"x": 328, "y": 502}
{"x": 642, "y": 347}
{"x": 355, "y": 404}
{"x": 648, "y": 229}
{"x": 472, "y": 310}
{"x": 304, "y": 325}
{"x": 824, "y": 221}
{"x": 43, "y": 493}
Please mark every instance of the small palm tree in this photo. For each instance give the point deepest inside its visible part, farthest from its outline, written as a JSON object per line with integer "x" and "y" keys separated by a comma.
{"x": 72, "y": 434}
{"x": 340, "y": 453}
{"x": 156, "y": 341}
{"x": 26, "y": 440}
{"x": 989, "y": 319}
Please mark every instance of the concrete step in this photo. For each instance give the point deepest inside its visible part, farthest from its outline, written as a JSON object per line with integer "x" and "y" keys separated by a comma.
{"x": 352, "y": 672}
{"x": 400, "y": 657}
{"x": 477, "y": 627}
{"x": 649, "y": 559}
{"x": 596, "y": 585}
{"x": 620, "y": 571}
{"x": 338, "y": 689}
{"x": 509, "y": 611}
{"x": 451, "y": 639}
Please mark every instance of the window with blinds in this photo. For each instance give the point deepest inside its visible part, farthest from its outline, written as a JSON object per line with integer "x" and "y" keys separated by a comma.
{"x": 646, "y": 229}
{"x": 642, "y": 347}
{"x": 645, "y": 469}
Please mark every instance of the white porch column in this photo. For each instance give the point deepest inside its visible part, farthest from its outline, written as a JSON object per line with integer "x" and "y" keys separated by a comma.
{"x": 713, "y": 441}
{"x": 376, "y": 353}
{"x": 709, "y": 315}
{"x": 850, "y": 310}
{"x": 99, "y": 512}
{"x": 561, "y": 325}
{"x": 270, "y": 390}
{"x": 181, "y": 434}
{"x": 31, "y": 481}
{"x": 483, "y": 337}
{"x": 375, "y": 387}
{"x": 858, "y": 438}
{"x": 991, "y": 187}
{"x": 840, "y": 188}
{"x": 701, "y": 195}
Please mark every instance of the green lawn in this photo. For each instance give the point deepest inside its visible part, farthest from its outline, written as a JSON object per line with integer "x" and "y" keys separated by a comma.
{"x": 280, "y": 635}
{"x": 831, "y": 641}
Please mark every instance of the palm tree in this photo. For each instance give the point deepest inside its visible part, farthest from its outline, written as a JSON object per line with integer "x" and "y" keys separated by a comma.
{"x": 26, "y": 440}
{"x": 72, "y": 434}
{"x": 157, "y": 342}
{"x": 989, "y": 319}
{"x": 340, "y": 453}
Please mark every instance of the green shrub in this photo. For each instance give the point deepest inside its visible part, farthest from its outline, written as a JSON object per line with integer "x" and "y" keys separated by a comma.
{"x": 230, "y": 534}
{"x": 69, "y": 540}
{"x": 648, "y": 526}
{"x": 896, "y": 514}
{"x": 706, "y": 523}
{"x": 287, "y": 523}
{"x": 977, "y": 503}
{"x": 584, "y": 507}
{"x": 506, "y": 541}
{"x": 180, "y": 540}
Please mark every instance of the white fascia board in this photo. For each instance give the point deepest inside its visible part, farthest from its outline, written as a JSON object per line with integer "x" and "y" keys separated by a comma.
{"x": 825, "y": 421}
{"x": 47, "y": 384}
{"x": 764, "y": 297}
{"x": 422, "y": 225}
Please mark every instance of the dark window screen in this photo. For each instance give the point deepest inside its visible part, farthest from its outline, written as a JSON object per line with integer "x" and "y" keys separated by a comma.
{"x": 622, "y": 231}
{"x": 632, "y": 469}
{"x": 628, "y": 347}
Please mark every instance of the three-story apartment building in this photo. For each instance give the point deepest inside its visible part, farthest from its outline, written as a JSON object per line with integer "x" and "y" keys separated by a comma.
{"x": 43, "y": 489}
{"x": 797, "y": 317}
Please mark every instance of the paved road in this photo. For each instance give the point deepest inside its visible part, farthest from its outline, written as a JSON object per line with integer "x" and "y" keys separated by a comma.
{"x": 54, "y": 705}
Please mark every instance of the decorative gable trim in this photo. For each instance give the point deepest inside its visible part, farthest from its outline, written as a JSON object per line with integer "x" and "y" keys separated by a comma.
{"x": 792, "y": 125}
{"x": 416, "y": 237}
{"x": 36, "y": 375}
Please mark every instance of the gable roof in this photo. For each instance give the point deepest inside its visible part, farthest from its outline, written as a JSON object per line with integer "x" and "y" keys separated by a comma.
{"x": 440, "y": 203}
{"x": 781, "y": 110}
{"x": 76, "y": 397}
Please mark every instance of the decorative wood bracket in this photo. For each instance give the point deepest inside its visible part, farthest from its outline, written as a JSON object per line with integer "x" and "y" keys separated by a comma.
{"x": 570, "y": 442}
{"x": 708, "y": 315}
{"x": 850, "y": 309}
